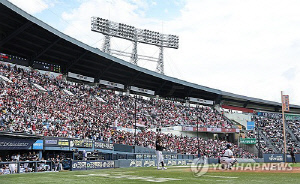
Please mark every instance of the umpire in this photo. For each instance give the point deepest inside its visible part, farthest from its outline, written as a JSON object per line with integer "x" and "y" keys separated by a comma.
{"x": 293, "y": 155}
{"x": 159, "y": 155}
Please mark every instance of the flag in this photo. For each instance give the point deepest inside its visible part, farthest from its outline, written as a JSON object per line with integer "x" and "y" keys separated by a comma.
{"x": 286, "y": 103}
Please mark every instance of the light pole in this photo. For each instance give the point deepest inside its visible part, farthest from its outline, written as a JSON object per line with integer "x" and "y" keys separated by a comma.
{"x": 198, "y": 132}
{"x": 197, "y": 119}
{"x": 259, "y": 146}
{"x": 135, "y": 137}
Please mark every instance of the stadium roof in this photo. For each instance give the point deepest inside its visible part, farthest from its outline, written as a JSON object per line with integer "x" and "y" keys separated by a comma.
{"x": 25, "y": 36}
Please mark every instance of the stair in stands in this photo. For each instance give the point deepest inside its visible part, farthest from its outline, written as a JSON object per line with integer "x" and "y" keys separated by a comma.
{"x": 268, "y": 141}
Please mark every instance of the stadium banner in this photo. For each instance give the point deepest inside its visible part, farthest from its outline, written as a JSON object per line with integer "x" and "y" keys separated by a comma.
{"x": 270, "y": 114}
{"x": 280, "y": 157}
{"x": 292, "y": 117}
{"x": 78, "y": 165}
{"x": 250, "y": 125}
{"x": 56, "y": 142}
{"x": 38, "y": 145}
{"x": 237, "y": 108}
{"x": 150, "y": 163}
{"x": 273, "y": 157}
{"x": 92, "y": 164}
{"x": 80, "y": 77}
{"x": 111, "y": 84}
{"x": 188, "y": 129}
{"x": 201, "y": 101}
{"x": 214, "y": 129}
{"x": 221, "y": 130}
{"x": 153, "y": 156}
{"x": 100, "y": 164}
{"x": 248, "y": 141}
{"x": 230, "y": 130}
{"x": 104, "y": 145}
{"x": 81, "y": 143}
{"x": 15, "y": 144}
{"x": 286, "y": 103}
{"x": 141, "y": 90}
{"x": 194, "y": 129}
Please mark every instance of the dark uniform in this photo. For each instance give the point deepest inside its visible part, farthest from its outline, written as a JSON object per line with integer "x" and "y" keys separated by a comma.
{"x": 159, "y": 149}
{"x": 158, "y": 144}
{"x": 293, "y": 155}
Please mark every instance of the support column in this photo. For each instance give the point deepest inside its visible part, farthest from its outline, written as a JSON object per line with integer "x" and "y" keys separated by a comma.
{"x": 160, "y": 62}
{"x": 106, "y": 45}
{"x": 134, "y": 55}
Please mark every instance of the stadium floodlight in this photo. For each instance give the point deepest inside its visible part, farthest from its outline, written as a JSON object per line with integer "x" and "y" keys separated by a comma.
{"x": 131, "y": 33}
{"x": 124, "y": 31}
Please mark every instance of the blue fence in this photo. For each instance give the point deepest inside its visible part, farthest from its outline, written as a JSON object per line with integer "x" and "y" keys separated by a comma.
{"x": 280, "y": 158}
{"x": 150, "y": 162}
{"x": 92, "y": 164}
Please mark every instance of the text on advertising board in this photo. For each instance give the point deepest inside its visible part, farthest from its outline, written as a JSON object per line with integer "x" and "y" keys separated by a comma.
{"x": 82, "y": 143}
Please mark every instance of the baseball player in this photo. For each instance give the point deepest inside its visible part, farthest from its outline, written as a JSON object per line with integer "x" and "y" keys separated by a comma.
{"x": 293, "y": 155}
{"x": 159, "y": 155}
{"x": 227, "y": 160}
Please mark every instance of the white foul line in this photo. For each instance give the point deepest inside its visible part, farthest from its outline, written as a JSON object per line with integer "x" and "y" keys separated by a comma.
{"x": 220, "y": 176}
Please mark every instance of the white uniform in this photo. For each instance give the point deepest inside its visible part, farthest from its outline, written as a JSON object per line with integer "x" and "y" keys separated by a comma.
{"x": 12, "y": 168}
{"x": 159, "y": 157}
{"x": 227, "y": 159}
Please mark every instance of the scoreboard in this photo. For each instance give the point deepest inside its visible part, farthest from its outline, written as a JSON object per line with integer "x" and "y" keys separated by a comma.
{"x": 13, "y": 59}
{"x": 24, "y": 62}
{"x": 46, "y": 66}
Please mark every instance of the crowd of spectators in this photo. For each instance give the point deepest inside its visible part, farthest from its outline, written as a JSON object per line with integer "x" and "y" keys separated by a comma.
{"x": 42, "y": 112}
{"x": 295, "y": 127}
{"x": 181, "y": 144}
{"x": 27, "y": 109}
{"x": 272, "y": 128}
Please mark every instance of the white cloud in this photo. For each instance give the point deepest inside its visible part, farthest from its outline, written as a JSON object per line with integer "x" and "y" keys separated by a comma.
{"x": 240, "y": 46}
{"x": 33, "y": 6}
{"x": 291, "y": 73}
{"x": 153, "y": 3}
{"x": 243, "y": 47}
{"x": 118, "y": 10}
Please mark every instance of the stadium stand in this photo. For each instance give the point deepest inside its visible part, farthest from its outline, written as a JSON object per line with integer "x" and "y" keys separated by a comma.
{"x": 272, "y": 133}
{"x": 28, "y": 109}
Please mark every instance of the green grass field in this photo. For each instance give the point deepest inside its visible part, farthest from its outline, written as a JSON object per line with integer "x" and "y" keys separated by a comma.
{"x": 150, "y": 175}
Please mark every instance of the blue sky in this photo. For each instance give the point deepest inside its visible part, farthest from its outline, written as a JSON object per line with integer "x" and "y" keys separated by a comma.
{"x": 162, "y": 10}
{"x": 248, "y": 47}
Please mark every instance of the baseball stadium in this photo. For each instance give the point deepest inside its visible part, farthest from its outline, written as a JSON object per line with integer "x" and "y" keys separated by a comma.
{"x": 73, "y": 113}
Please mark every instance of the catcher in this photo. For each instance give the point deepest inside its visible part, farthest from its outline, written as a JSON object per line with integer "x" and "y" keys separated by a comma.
{"x": 227, "y": 160}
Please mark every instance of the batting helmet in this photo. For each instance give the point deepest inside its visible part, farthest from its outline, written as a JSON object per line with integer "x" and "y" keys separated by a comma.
{"x": 228, "y": 146}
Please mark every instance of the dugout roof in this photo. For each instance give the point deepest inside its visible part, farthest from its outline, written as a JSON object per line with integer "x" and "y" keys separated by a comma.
{"x": 25, "y": 36}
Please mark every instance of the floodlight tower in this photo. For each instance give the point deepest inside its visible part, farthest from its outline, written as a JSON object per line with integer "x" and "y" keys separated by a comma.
{"x": 112, "y": 29}
{"x": 106, "y": 44}
{"x": 160, "y": 62}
